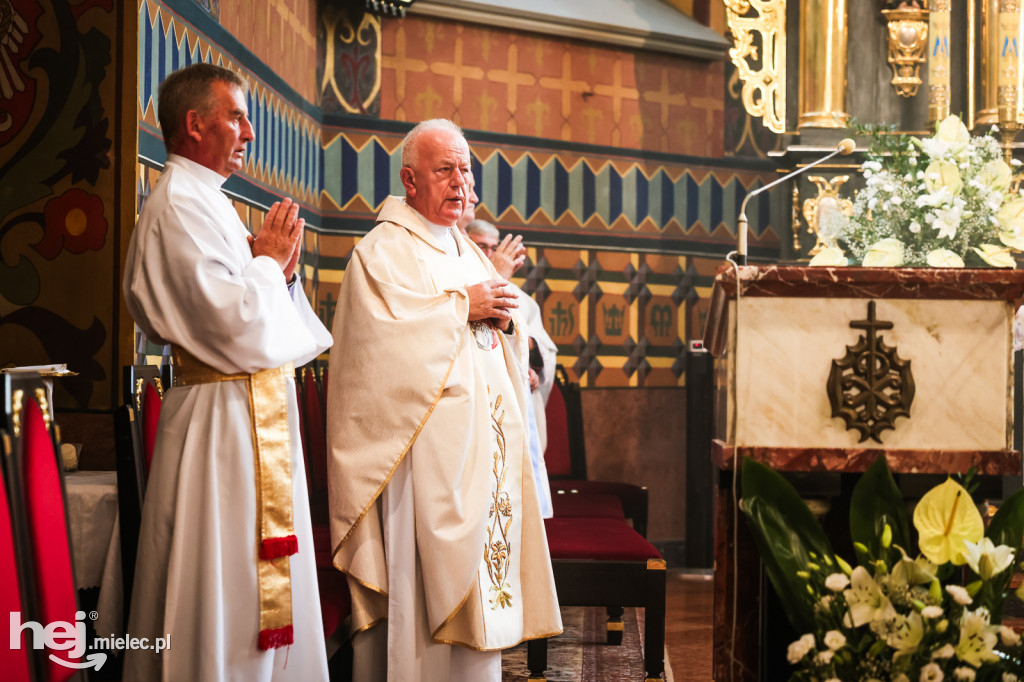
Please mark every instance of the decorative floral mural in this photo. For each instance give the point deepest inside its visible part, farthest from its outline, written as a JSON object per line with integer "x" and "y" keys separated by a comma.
{"x": 56, "y": 190}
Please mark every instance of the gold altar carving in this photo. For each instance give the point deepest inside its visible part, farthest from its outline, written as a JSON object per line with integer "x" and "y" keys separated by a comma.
{"x": 908, "y": 37}
{"x": 823, "y": 36}
{"x": 827, "y": 200}
{"x": 760, "y": 40}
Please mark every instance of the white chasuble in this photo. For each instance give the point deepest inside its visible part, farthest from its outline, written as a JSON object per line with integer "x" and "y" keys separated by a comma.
{"x": 418, "y": 392}
{"x": 191, "y": 280}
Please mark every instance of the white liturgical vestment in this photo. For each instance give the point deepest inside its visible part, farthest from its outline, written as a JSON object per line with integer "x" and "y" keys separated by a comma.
{"x": 434, "y": 514}
{"x": 191, "y": 281}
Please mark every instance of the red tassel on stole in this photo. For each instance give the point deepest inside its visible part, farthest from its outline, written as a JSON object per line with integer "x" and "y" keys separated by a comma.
{"x": 276, "y": 638}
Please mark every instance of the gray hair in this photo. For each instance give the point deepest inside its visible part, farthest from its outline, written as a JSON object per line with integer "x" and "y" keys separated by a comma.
{"x": 482, "y": 227}
{"x": 410, "y": 145}
{"x": 188, "y": 89}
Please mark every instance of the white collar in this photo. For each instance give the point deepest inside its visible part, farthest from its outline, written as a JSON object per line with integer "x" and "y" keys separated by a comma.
{"x": 206, "y": 175}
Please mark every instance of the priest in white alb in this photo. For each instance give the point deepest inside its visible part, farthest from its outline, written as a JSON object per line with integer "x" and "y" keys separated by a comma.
{"x": 434, "y": 514}
{"x": 225, "y": 560}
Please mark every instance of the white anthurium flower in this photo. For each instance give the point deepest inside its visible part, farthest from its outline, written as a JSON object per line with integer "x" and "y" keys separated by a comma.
{"x": 865, "y": 598}
{"x": 996, "y": 175}
{"x": 986, "y": 559}
{"x": 944, "y": 258}
{"x": 907, "y": 634}
{"x": 943, "y": 175}
{"x": 830, "y": 256}
{"x": 1013, "y": 240}
{"x": 977, "y": 638}
{"x": 996, "y": 256}
{"x": 887, "y": 253}
{"x": 953, "y": 132}
{"x": 910, "y": 572}
{"x": 1011, "y": 216}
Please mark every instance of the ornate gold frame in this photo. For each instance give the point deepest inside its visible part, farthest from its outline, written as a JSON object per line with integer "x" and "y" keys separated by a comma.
{"x": 828, "y": 191}
{"x": 764, "y": 87}
{"x": 908, "y": 38}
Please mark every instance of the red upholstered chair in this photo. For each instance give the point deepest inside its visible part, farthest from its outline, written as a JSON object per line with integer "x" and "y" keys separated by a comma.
{"x": 604, "y": 562}
{"x": 586, "y": 505}
{"x": 40, "y": 485}
{"x": 15, "y": 573}
{"x": 566, "y": 458}
{"x": 135, "y": 428}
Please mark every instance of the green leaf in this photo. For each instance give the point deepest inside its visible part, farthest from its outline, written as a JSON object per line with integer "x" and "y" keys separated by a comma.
{"x": 1007, "y": 526}
{"x": 876, "y": 501}
{"x": 786, "y": 533}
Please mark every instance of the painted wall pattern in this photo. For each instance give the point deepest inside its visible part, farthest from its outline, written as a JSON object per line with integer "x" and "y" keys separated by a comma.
{"x": 58, "y": 221}
{"x": 285, "y": 157}
{"x": 518, "y": 83}
{"x": 623, "y": 242}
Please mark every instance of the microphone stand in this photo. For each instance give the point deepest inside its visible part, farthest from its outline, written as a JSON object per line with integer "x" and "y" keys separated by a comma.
{"x": 844, "y": 147}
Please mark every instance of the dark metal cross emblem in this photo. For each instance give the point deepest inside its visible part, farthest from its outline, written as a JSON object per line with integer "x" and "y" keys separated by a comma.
{"x": 870, "y": 386}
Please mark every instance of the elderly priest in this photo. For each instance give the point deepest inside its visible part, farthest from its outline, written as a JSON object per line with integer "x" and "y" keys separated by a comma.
{"x": 434, "y": 515}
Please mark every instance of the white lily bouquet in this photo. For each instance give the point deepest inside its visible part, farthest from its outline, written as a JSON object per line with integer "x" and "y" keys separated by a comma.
{"x": 942, "y": 201}
{"x": 892, "y": 615}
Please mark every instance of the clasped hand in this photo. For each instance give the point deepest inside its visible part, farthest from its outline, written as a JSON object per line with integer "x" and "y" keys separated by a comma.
{"x": 280, "y": 237}
{"x": 492, "y": 300}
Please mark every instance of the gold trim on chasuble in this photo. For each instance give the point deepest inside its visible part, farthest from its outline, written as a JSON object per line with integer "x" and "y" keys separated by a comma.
{"x": 498, "y": 549}
{"x": 276, "y": 541}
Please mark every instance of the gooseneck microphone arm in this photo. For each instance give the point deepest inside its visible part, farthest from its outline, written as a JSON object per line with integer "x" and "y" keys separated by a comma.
{"x": 844, "y": 147}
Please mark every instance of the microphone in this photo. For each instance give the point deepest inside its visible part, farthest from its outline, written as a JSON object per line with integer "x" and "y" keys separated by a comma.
{"x": 845, "y": 146}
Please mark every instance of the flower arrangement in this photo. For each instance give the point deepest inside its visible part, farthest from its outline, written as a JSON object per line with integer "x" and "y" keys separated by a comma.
{"x": 942, "y": 201}
{"x": 892, "y": 615}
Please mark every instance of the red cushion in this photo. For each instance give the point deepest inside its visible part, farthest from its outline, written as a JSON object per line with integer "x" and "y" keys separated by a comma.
{"x": 14, "y": 662}
{"x": 151, "y": 403}
{"x": 598, "y": 539}
{"x": 51, "y": 551}
{"x": 593, "y": 505}
{"x": 556, "y": 456}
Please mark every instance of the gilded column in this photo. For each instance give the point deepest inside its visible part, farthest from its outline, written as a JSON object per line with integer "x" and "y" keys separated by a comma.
{"x": 1009, "y": 72}
{"x": 989, "y": 57}
{"x": 822, "y": 93}
{"x": 938, "y": 60}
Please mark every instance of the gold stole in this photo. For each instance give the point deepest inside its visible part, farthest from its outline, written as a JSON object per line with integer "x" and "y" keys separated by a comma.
{"x": 268, "y": 399}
